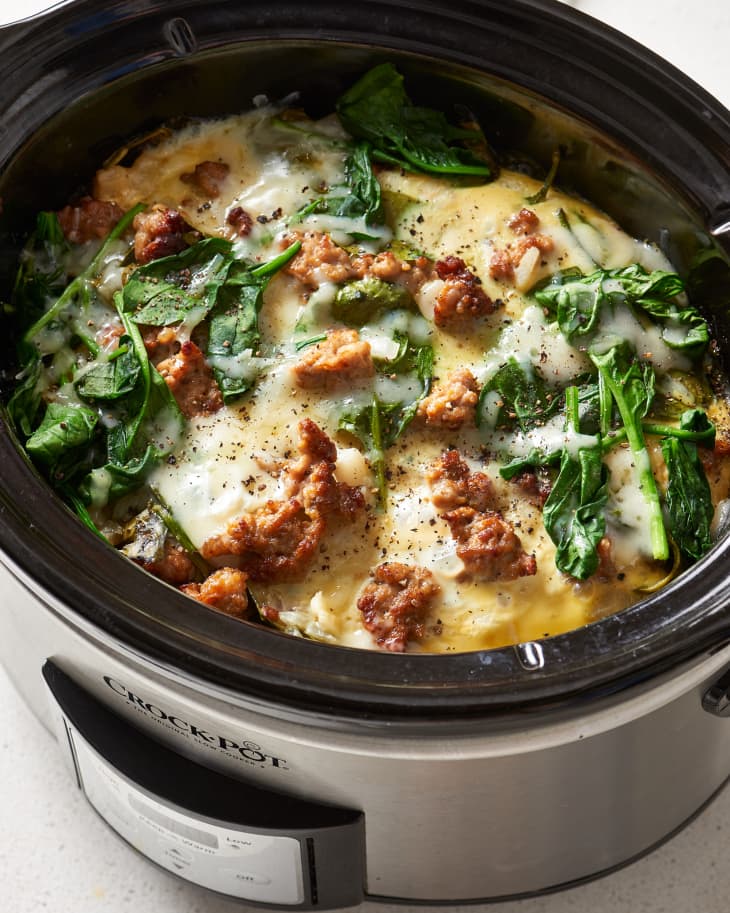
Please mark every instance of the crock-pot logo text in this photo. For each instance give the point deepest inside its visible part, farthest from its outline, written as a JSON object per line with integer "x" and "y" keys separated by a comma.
{"x": 244, "y": 749}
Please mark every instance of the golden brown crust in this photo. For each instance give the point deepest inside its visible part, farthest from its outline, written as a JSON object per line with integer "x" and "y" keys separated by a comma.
{"x": 224, "y": 590}
{"x": 488, "y": 545}
{"x": 336, "y": 361}
{"x": 453, "y": 402}
{"x": 89, "y": 220}
{"x": 159, "y": 232}
{"x": 396, "y": 603}
{"x": 191, "y": 381}
{"x": 462, "y": 298}
{"x": 278, "y": 541}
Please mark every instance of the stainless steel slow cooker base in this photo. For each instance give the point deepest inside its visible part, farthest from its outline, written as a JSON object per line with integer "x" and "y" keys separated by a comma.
{"x": 482, "y": 812}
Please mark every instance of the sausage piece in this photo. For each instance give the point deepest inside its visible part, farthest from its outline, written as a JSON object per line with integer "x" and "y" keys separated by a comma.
{"x": 453, "y": 402}
{"x": 159, "y": 232}
{"x": 320, "y": 260}
{"x": 191, "y": 381}
{"x": 173, "y": 564}
{"x": 336, "y": 361}
{"x": 240, "y": 220}
{"x": 224, "y": 590}
{"x": 462, "y": 297}
{"x": 453, "y": 484}
{"x": 488, "y": 545}
{"x": 278, "y": 541}
{"x": 485, "y": 542}
{"x": 503, "y": 263}
{"x": 89, "y": 220}
{"x": 395, "y": 605}
{"x": 207, "y": 177}
{"x": 523, "y": 222}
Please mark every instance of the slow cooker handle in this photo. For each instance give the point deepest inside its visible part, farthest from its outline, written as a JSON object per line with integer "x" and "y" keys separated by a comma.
{"x": 208, "y": 828}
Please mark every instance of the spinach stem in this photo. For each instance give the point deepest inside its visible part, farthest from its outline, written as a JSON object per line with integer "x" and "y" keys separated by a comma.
{"x": 572, "y": 409}
{"x": 78, "y": 285}
{"x": 163, "y": 511}
{"x": 132, "y": 330}
{"x": 618, "y": 436}
{"x": 377, "y": 452}
{"x": 542, "y": 193}
{"x": 647, "y": 483}
{"x": 272, "y": 266}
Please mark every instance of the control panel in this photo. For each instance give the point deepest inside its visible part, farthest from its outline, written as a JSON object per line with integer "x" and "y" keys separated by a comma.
{"x": 261, "y": 846}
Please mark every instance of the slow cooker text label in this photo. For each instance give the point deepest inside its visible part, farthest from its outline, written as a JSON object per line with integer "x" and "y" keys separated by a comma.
{"x": 247, "y": 750}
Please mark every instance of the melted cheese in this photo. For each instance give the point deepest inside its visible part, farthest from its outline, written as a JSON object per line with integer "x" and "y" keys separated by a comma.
{"x": 223, "y": 465}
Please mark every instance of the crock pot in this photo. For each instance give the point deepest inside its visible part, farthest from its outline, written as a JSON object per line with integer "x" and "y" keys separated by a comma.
{"x": 300, "y": 775}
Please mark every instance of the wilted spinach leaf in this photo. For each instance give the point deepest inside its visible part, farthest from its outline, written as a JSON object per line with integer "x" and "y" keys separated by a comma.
{"x": 574, "y": 511}
{"x": 175, "y": 288}
{"x": 42, "y": 271}
{"x": 523, "y": 398}
{"x": 579, "y": 301}
{"x": 110, "y": 379}
{"x": 142, "y": 425}
{"x": 72, "y": 304}
{"x": 379, "y": 424}
{"x": 25, "y": 403}
{"x": 362, "y": 190}
{"x": 234, "y": 337}
{"x": 688, "y": 499}
{"x": 62, "y": 440}
{"x": 45, "y": 300}
{"x": 377, "y": 109}
{"x": 631, "y": 386}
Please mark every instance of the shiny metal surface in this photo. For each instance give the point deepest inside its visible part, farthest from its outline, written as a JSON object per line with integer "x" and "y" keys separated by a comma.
{"x": 517, "y": 811}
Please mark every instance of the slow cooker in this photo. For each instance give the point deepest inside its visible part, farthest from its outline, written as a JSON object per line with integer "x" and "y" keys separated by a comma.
{"x": 294, "y": 774}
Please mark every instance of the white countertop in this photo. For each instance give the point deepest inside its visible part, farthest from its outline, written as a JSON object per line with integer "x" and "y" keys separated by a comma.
{"x": 58, "y": 855}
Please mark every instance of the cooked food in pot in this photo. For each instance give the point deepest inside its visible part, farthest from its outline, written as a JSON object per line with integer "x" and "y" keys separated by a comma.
{"x": 349, "y": 377}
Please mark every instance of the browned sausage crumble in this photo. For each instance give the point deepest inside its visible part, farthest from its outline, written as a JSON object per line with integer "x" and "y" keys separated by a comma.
{"x": 485, "y": 542}
{"x": 453, "y": 403}
{"x": 462, "y": 297}
{"x": 191, "y": 381}
{"x": 395, "y": 605}
{"x": 336, "y": 361}
{"x": 159, "y": 232}
{"x": 224, "y": 590}
{"x": 279, "y": 540}
{"x": 207, "y": 177}
{"x": 89, "y": 220}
